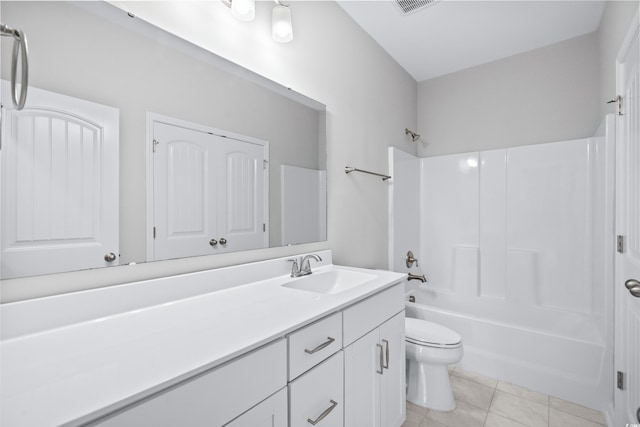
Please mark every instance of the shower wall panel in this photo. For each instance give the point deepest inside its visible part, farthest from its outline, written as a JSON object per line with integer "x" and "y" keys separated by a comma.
{"x": 511, "y": 233}
{"x": 449, "y": 205}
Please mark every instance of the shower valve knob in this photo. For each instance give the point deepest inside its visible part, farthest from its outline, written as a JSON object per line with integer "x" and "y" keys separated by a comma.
{"x": 411, "y": 260}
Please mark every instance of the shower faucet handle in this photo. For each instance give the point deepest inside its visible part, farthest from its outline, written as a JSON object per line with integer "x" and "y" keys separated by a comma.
{"x": 411, "y": 260}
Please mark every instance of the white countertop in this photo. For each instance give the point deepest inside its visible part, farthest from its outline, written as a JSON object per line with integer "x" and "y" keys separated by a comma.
{"x": 76, "y": 372}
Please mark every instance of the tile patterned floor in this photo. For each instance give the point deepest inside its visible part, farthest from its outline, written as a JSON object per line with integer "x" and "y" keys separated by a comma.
{"x": 486, "y": 402}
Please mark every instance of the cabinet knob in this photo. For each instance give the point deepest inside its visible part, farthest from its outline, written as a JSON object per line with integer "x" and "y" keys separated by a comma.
{"x": 223, "y": 241}
{"x": 110, "y": 257}
{"x": 213, "y": 242}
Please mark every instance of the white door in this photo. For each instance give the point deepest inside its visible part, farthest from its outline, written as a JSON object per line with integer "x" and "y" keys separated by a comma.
{"x": 59, "y": 184}
{"x": 241, "y": 217}
{"x": 627, "y": 351}
{"x": 392, "y": 390}
{"x": 209, "y": 192}
{"x": 184, "y": 185}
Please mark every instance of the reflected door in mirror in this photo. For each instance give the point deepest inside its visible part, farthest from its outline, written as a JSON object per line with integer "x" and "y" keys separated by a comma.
{"x": 210, "y": 192}
{"x": 59, "y": 184}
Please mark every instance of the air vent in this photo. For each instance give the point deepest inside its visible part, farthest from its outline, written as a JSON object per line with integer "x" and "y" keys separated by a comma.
{"x": 410, "y": 6}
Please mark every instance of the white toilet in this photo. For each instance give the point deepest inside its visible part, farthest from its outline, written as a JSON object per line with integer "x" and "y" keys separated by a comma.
{"x": 430, "y": 349}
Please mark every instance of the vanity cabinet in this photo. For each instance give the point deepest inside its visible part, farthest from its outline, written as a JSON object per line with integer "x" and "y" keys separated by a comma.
{"x": 375, "y": 363}
{"x": 216, "y": 397}
{"x": 346, "y": 369}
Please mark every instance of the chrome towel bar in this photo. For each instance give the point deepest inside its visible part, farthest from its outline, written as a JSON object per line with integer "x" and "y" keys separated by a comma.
{"x": 349, "y": 169}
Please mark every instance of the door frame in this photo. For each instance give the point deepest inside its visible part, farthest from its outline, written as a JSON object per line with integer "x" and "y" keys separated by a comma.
{"x": 619, "y": 291}
{"x": 151, "y": 119}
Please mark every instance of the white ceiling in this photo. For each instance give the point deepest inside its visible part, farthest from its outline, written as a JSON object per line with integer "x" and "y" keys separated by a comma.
{"x": 452, "y": 35}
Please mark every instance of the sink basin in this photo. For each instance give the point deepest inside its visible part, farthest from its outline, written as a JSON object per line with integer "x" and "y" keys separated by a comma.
{"x": 330, "y": 282}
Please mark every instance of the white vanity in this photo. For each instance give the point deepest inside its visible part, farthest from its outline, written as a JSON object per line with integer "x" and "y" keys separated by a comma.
{"x": 239, "y": 346}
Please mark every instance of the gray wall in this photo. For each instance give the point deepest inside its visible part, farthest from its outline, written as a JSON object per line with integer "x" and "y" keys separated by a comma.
{"x": 539, "y": 96}
{"x": 370, "y": 100}
{"x": 549, "y": 94}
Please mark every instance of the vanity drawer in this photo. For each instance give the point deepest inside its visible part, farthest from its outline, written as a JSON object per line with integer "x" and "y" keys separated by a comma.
{"x": 314, "y": 343}
{"x": 318, "y": 395}
{"x": 372, "y": 312}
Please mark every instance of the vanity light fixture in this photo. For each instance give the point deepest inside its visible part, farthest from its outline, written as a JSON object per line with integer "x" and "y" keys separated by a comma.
{"x": 281, "y": 27}
{"x": 243, "y": 10}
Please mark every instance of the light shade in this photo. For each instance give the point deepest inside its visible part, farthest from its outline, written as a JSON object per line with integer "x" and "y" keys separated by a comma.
{"x": 243, "y": 10}
{"x": 281, "y": 28}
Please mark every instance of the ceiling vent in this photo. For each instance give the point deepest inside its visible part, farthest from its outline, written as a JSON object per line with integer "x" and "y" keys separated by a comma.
{"x": 410, "y": 6}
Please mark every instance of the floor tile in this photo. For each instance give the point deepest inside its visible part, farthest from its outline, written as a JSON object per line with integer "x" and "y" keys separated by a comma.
{"x": 472, "y": 376}
{"x": 563, "y": 419}
{"x": 416, "y": 408}
{"x": 464, "y": 415}
{"x": 426, "y": 422}
{"x": 516, "y": 408}
{"x": 494, "y": 420}
{"x": 580, "y": 411}
{"x": 413, "y": 418}
{"x": 534, "y": 396}
{"x": 471, "y": 392}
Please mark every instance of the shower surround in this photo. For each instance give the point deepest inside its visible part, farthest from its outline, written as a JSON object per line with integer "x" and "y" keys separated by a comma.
{"x": 517, "y": 244}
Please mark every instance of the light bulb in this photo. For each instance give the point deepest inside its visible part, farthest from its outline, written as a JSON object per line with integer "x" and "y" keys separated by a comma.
{"x": 243, "y": 10}
{"x": 281, "y": 28}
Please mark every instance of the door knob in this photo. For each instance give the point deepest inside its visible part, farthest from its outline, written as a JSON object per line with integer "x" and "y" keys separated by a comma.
{"x": 223, "y": 241}
{"x": 213, "y": 242}
{"x": 110, "y": 257}
{"x": 634, "y": 287}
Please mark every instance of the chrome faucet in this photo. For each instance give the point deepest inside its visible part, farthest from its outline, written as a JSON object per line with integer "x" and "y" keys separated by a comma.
{"x": 422, "y": 278}
{"x": 305, "y": 266}
{"x": 302, "y": 268}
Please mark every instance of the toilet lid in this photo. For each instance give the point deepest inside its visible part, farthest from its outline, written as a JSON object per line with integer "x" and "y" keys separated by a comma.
{"x": 431, "y": 334}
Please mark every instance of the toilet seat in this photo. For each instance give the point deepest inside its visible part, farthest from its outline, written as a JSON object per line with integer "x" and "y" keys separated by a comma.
{"x": 425, "y": 333}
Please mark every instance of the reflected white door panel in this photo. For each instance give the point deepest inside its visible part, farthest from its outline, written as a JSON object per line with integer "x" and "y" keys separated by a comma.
{"x": 60, "y": 184}
{"x": 209, "y": 193}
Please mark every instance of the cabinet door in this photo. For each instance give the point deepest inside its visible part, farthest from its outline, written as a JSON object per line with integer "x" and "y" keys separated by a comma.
{"x": 270, "y": 413}
{"x": 362, "y": 367}
{"x": 392, "y": 388}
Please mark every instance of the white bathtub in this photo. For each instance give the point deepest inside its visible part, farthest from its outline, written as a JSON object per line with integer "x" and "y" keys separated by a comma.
{"x": 557, "y": 356}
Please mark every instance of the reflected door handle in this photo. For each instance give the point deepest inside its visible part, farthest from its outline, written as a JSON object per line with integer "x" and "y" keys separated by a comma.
{"x": 213, "y": 242}
{"x": 110, "y": 257}
{"x": 634, "y": 287}
{"x": 223, "y": 241}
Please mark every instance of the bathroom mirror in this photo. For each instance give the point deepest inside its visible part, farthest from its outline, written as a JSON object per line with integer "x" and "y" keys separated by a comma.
{"x": 93, "y": 51}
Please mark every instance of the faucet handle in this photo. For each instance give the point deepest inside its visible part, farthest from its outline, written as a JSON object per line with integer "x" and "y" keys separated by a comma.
{"x": 411, "y": 259}
{"x": 295, "y": 269}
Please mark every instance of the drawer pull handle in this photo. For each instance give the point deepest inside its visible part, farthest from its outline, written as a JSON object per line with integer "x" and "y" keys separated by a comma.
{"x": 381, "y": 360}
{"x": 324, "y": 414}
{"x": 386, "y": 344}
{"x": 321, "y": 346}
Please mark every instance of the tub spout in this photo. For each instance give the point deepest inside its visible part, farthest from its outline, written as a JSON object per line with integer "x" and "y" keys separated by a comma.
{"x": 417, "y": 277}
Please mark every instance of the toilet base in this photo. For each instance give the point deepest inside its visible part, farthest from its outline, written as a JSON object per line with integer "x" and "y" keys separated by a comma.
{"x": 429, "y": 386}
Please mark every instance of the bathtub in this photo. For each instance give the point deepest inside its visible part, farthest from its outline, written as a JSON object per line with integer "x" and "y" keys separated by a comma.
{"x": 560, "y": 357}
